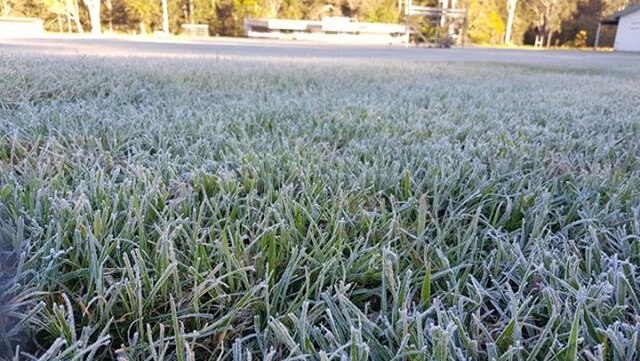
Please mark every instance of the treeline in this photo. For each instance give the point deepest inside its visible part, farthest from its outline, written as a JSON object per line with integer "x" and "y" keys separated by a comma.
{"x": 554, "y": 22}
{"x": 549, "y": 22}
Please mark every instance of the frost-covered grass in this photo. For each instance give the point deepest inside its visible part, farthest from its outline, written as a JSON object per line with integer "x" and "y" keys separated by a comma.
{"x": 175, "y": 209}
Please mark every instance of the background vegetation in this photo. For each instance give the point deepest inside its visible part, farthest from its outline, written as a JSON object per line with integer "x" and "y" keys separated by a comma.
{"x": 561, "y": 21}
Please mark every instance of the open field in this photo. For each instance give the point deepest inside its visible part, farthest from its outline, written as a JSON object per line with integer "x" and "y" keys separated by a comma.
{"x": 344, "y": 207}
{"x": 271, "y": 50}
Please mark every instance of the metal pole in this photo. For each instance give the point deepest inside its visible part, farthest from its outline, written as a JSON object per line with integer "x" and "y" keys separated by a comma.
{"x": 597, "y": 43}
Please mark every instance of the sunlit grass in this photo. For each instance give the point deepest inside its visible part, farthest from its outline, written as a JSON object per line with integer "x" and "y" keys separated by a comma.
{"x": 203, "y": 210}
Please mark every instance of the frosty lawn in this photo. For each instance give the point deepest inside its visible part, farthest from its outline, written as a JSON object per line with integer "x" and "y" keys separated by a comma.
{"x": 174, "y": 209}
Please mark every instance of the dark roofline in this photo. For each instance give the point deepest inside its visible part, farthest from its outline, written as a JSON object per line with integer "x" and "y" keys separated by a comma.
{"x": 613, "y": 19}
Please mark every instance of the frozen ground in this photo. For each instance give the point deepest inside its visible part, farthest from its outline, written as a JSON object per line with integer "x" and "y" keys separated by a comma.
{"x": 269, "y": 49}
{"x": 243, "y": 200}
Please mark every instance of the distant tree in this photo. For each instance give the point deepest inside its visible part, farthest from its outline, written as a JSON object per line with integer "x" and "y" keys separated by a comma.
{"x": 489, "y": 21}
{"x": 176, "y": 15}
{"x": 354, "y": 8}
{"x": 384, "y": 11}
{"x": 292, "y": 9}
{"x": 272, "y": 8}
{"x": 235, "y": 11}
{"x": 511, "y": 14}
{"x": 580, "y": 40}
{"x": 93, "y": 7}
{"x": 6, "y": 8}
{"x": 485, "y": 26}
{"x": 29, "y": 8}
{"x": 203, "y": 12}
{"x": 73, "y": 14}
{"x": 145, "y": 11}
{"x": 549, "y": 14}
{"x": 108, "y": 4}
{"x": 585, "y": 18}
{"x": 58, "y": 9}
{"x": 67, "y": 10}
{"x": 165, "y": 16}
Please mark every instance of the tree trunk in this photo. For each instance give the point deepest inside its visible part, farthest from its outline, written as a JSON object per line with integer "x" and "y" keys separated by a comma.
{"x": 443, "y": 18}
{"x": 109, "y": 7}
{"x": 165, "y": 17}
{"x": 511, "y": 9}
{"x": 76, "y": 17}
{"x": 94, "y": 16}
{"x": 6, "y": 8}
{"x": 70, "y": 10}
{"x": 274, "y": 5}
{"x": 549, "y": 24}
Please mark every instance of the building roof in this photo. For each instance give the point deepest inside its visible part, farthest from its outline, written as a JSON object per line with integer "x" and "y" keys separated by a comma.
{"x": 613, "y": 19}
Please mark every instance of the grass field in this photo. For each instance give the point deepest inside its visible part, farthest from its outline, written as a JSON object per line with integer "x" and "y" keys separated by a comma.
{"x": 168, "y": 209}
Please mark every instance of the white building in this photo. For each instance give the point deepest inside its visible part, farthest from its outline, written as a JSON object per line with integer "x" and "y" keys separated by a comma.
{"x": 628, "y": 33}
{"x": 11, "y": 27}
{"x": 329, "y": 29}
